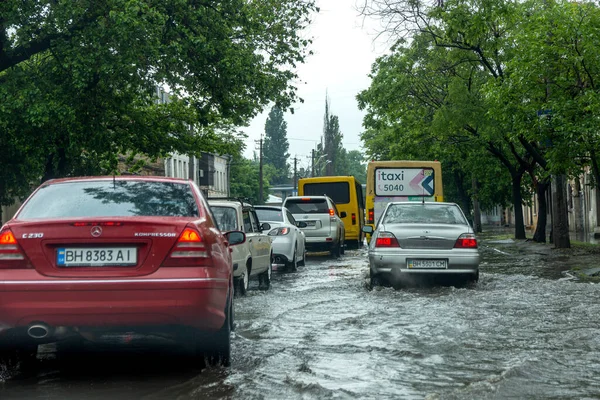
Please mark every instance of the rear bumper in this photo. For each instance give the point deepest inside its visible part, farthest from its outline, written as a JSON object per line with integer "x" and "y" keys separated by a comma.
{"x": 393, "y": 266}
{"x": 163, "y": 298}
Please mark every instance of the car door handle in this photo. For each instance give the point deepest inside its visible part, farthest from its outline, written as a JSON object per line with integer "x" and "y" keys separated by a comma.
{"x": 249, "y": 240}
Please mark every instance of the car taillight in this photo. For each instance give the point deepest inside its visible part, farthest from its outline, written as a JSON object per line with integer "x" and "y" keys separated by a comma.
{"x": 11, "y": 255}
{"x": 466, "y": 241}
{"x": 103, "y": 223}
{"x": 279, "y": 231}
{"x": 386, "y": 239}
{"x": 190, "y": 250}
{"x": 353, "y": 219}
{"x": 371, "y": 216}
{"x": 331, "y": 212}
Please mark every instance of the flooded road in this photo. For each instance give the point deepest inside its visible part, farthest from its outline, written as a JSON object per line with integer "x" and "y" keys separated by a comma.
{"x": 321, "y": 333}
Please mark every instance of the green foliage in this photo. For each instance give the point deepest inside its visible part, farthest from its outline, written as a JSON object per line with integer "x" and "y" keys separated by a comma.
{"x": 330, "y": 152}
{"x": 78, "y": 79}
{"x": 276, "y": 145}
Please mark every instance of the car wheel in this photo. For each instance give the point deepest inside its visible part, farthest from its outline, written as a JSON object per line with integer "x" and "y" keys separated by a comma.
{"x": 303, "y": 261}
{"x": 221, "y": 351}
{"x": 264, "y": 279}
{"x": 243, "y": 282}
{"x": 23, "y": 355}
{"x": 375, "y": 280}
{"x": 336, "y": 250}
{"x": 293, "y": 265}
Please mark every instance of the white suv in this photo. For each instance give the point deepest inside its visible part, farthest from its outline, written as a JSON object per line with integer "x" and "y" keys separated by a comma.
{"x": 254, "y": 257}
{"x": 325, "y": 229}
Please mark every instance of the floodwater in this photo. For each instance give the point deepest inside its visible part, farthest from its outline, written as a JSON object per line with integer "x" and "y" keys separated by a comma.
{"x": 320, "y": 333}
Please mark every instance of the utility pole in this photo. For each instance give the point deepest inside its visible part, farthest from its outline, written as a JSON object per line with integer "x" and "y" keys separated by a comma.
{"x": 295, "y": 176}
{"x": 312, "y": 163}
{"x": 260, "y": 170}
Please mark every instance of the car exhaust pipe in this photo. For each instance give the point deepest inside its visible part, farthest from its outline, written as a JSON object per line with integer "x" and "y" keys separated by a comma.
{"x": 39, "y": 331}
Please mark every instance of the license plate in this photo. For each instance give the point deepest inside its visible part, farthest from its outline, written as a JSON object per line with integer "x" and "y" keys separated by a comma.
{"x": 428, "y": 264}
{"x": 311, "y": 223}
{"x": 96, "y": 257}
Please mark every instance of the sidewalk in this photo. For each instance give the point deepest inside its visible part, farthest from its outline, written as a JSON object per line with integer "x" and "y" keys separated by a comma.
{"x": 501, "y": 251}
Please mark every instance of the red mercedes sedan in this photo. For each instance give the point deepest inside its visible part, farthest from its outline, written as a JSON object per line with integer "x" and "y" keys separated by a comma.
{"x": 89, "y": 256}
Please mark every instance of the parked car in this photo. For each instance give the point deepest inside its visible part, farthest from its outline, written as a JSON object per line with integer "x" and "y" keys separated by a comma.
{"x": 253, "y": 258}
{"x": 415, "y": 240}
{"x": 324, "y": 229}
{"x": 93, "y": 256}
{"x": 289, "y": 242}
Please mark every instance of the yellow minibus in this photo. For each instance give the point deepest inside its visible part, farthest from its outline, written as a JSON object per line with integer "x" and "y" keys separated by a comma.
{"x": 401, "y": 180}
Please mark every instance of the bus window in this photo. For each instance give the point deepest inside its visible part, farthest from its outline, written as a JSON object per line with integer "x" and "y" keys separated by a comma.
{"x": 339, "y": 192}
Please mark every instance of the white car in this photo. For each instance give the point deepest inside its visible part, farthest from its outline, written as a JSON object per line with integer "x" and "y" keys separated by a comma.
{"x": 252, "y": 258}
{"x": 289, "y": 244}
{"x": 325, "y": 229}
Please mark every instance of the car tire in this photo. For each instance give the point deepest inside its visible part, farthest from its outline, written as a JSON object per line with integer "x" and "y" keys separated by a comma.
{"x": 336, "y": 250}
{"x": 293, "y": 264}
{"x": 375, "y": 280}
{"x": 23, "y": 355}
{"x": 302, "y": 262}
{"x": 220, "y": 353}
{"x": 243, "y": 282}
{"x": 264, "y": 279}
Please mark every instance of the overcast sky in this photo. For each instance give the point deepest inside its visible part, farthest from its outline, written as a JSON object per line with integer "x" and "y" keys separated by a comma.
{"x": 344, "y": 49}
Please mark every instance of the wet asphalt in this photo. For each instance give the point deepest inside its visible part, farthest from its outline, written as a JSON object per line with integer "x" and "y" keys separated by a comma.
{"x": 526, "y": 330}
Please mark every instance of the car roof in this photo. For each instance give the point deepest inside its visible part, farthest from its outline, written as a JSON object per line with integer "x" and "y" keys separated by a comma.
{"x": 225, "y": 202}
{"x": 264, "y": 207}
{"x": 441, "y": 203}
{"x": 118, "y": 178}
{"x": 307, "y": 197}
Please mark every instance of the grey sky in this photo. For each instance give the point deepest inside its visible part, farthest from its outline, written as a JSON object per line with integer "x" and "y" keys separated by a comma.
{"x": 344, "y": 50}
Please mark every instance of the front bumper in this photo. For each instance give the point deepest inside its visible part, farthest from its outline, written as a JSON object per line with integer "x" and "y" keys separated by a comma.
{"x": 170, "y": 296}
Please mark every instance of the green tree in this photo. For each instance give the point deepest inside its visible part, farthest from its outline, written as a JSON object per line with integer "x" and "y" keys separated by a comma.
{"x": 331, "y": 147}
{"x": 78, "y": 79}
{"x": 357, "y": 166}
{"x": 276, "y": 145}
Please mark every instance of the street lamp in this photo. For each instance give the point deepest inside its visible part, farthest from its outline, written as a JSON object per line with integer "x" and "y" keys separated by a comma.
{"x": 317, "y": 163}
{"x": 323, "y": 166}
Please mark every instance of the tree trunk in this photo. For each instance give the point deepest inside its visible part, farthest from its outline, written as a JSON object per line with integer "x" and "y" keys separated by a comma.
{"x": 560, "y": 221}
{"x": 540, "y": 230}
{"x": 476, "y": 210}
{"x": 518, "y": 205}
{"x": 578, "y": 210}
{"x": 463, "y": 196}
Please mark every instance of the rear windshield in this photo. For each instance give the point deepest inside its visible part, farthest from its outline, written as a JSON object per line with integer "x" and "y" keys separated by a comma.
{"x": 107, "y": 198}
{"x": 226, "y": 218}
{"x": 269, "y": 214}
{"x": 339, "y": 192}
{"x": 312, "y": 206}
{"x": 424, "y": 213}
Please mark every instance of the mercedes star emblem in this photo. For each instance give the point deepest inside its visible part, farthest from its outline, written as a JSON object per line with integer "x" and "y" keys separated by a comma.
{"x": 96, "y": 231}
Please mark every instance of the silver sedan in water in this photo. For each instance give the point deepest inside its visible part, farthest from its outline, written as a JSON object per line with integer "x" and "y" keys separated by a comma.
{"x": 416, "y": 241}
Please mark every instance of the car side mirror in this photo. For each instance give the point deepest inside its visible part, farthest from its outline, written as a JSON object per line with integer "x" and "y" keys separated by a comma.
{"x": 367, "y": 229}
{"x": 265, "y": 226}
{"x": 301, "y": 224}
{"x": 235, "y": 237}
{"x": 343, "y": 214}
